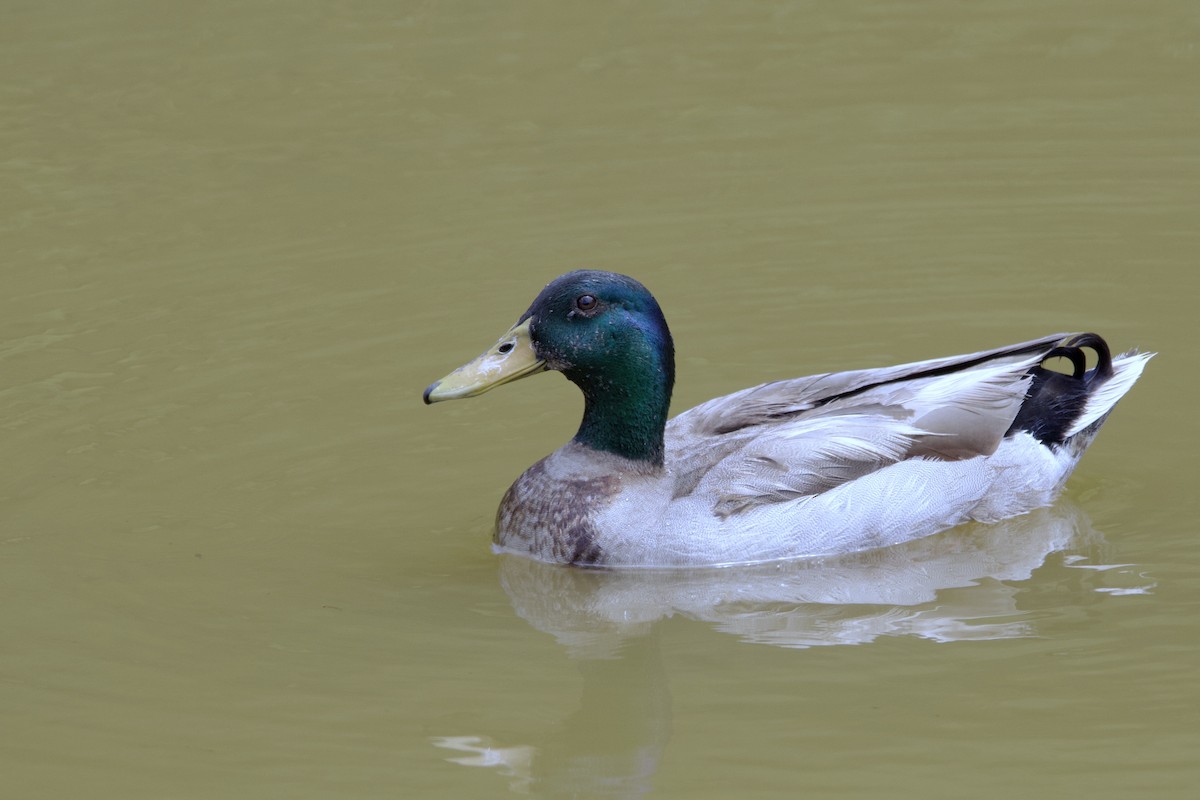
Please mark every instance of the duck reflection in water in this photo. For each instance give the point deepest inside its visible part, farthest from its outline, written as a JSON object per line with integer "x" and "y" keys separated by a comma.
{"x": 956, "y": 586}
{"x": 609, "y": 746}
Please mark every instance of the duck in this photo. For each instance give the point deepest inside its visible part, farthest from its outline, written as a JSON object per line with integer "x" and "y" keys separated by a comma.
{"x": 817, "y": 466}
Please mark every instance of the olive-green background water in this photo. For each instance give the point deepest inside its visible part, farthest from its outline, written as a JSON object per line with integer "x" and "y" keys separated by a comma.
{"x": 239, "y": 559}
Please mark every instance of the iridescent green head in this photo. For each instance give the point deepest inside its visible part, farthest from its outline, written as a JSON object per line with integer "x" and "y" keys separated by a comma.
{"x": 606, "y": 333}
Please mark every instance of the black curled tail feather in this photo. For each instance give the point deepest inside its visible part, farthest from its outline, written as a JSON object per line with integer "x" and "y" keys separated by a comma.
{"x": 1055, "y": 400}
{"x": 1104, "y": 363}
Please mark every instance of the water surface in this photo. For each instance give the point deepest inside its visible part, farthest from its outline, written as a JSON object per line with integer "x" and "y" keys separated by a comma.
{"x": 239, "y": 558}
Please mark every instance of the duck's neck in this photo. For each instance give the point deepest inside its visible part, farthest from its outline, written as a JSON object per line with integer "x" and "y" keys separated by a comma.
{"x": 626, "y": 404}
{"x": 629, "y": 425}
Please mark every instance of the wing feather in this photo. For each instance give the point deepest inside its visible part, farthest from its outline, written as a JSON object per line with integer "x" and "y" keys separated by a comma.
{"x": 792, "y": 439}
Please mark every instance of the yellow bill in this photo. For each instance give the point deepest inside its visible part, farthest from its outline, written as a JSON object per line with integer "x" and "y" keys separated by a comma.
{"x": 510, "y": 358}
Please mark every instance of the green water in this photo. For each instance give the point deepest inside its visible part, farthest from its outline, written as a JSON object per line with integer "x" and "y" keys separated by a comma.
{"x": 240, "y": 559}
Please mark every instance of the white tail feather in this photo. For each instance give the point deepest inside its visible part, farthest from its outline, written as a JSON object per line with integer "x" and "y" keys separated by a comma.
{"x": 1127, "y": 369}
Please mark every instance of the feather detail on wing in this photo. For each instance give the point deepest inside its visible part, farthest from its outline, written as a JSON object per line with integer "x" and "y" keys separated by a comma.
{"x": 806, "y": 458}
{"x": 791, "y": 439}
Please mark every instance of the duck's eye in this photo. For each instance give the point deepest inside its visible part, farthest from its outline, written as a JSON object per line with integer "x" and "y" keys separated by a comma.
{"x": 585, "y": 302}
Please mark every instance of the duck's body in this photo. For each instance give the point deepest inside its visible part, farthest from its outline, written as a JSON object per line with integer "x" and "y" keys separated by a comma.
{"x": 812, "y": 466}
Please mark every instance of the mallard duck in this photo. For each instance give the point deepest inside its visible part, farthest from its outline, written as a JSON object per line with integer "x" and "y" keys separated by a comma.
{"x": 821, "y": 465}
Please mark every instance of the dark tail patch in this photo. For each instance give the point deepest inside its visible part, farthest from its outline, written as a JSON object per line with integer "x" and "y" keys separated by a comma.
{"x": 1056, "y": 399}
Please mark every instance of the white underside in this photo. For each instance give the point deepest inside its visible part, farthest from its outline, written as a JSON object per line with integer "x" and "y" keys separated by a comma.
{"x": 899, "y": 503}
